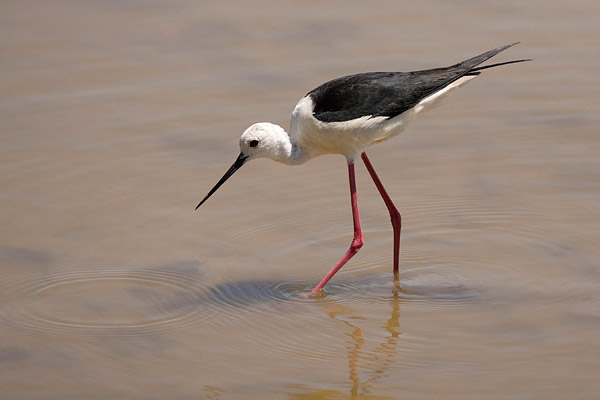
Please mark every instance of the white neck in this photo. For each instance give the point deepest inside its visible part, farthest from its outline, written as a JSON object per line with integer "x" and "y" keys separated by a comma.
{"x": 291, "y": 152}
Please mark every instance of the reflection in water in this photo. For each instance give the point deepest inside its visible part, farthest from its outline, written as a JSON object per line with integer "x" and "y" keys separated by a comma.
{"x": 378, "y": 360}
{"x": 213, "y": 392}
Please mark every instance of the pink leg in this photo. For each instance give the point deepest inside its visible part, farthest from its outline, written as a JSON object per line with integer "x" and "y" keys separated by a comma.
{"x": 394, "y": 214}
{"x": 357, "y": 242}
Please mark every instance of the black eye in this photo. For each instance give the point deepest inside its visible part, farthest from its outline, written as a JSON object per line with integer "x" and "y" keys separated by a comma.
{"x": 253, "y": 143}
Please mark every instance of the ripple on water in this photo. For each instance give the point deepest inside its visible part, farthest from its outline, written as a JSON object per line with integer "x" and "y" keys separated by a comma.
{"x": 289, "y": 323}
{"x": 419, "y": 284}
{"x": 153, "y": 300}
{"x": 108, "y": 301}
{"x": 111, "y": 301}
{"x": 146, "y": 302}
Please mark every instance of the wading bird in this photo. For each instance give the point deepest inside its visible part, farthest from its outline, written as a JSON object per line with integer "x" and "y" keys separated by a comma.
{"x": 348, "y": 114}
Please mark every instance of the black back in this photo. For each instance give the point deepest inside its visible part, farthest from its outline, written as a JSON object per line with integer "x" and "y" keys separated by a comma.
{"x": 387, "y": 94}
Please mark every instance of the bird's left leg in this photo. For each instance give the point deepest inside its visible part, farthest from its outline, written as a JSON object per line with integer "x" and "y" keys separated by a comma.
{"x": 394, "y": 214}
{"x": 357, "y": 241}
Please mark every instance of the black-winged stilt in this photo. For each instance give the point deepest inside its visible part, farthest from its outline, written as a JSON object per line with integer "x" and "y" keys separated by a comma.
{"x": 348, "y": 114}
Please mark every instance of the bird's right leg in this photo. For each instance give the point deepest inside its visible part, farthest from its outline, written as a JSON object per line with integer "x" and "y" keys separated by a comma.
{"x": 357, "y": 242}
{"x": 394, "y": 214}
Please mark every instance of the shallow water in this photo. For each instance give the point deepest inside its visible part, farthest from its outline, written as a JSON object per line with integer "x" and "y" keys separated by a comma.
{"x": 118, "y": 117}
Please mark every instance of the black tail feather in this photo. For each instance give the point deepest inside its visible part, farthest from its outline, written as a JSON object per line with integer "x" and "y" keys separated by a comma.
{"x": 471, "y": 63}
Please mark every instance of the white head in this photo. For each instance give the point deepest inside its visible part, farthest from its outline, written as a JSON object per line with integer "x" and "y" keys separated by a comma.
{"x": 266, "y": 140}
{"x": 261, "y": 140}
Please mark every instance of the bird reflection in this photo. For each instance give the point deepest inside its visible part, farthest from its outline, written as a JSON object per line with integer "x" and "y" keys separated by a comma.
{"x": 362, "y": 377}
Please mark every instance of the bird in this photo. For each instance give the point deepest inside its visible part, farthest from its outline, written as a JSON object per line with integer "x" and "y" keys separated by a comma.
{"x": 348, "y": 114}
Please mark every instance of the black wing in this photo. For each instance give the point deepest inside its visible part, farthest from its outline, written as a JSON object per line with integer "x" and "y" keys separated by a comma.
{"x": 387, "y": 94}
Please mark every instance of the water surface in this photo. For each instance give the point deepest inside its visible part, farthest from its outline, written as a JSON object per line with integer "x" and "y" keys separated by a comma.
{"x": 118, "y": 117}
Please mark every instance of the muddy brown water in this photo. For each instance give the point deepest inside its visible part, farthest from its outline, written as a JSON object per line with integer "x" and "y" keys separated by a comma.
{"x": 118, "y": 117}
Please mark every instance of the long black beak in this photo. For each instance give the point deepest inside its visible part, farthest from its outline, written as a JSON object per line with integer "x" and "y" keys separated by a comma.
{"x": 236, "y": 165}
